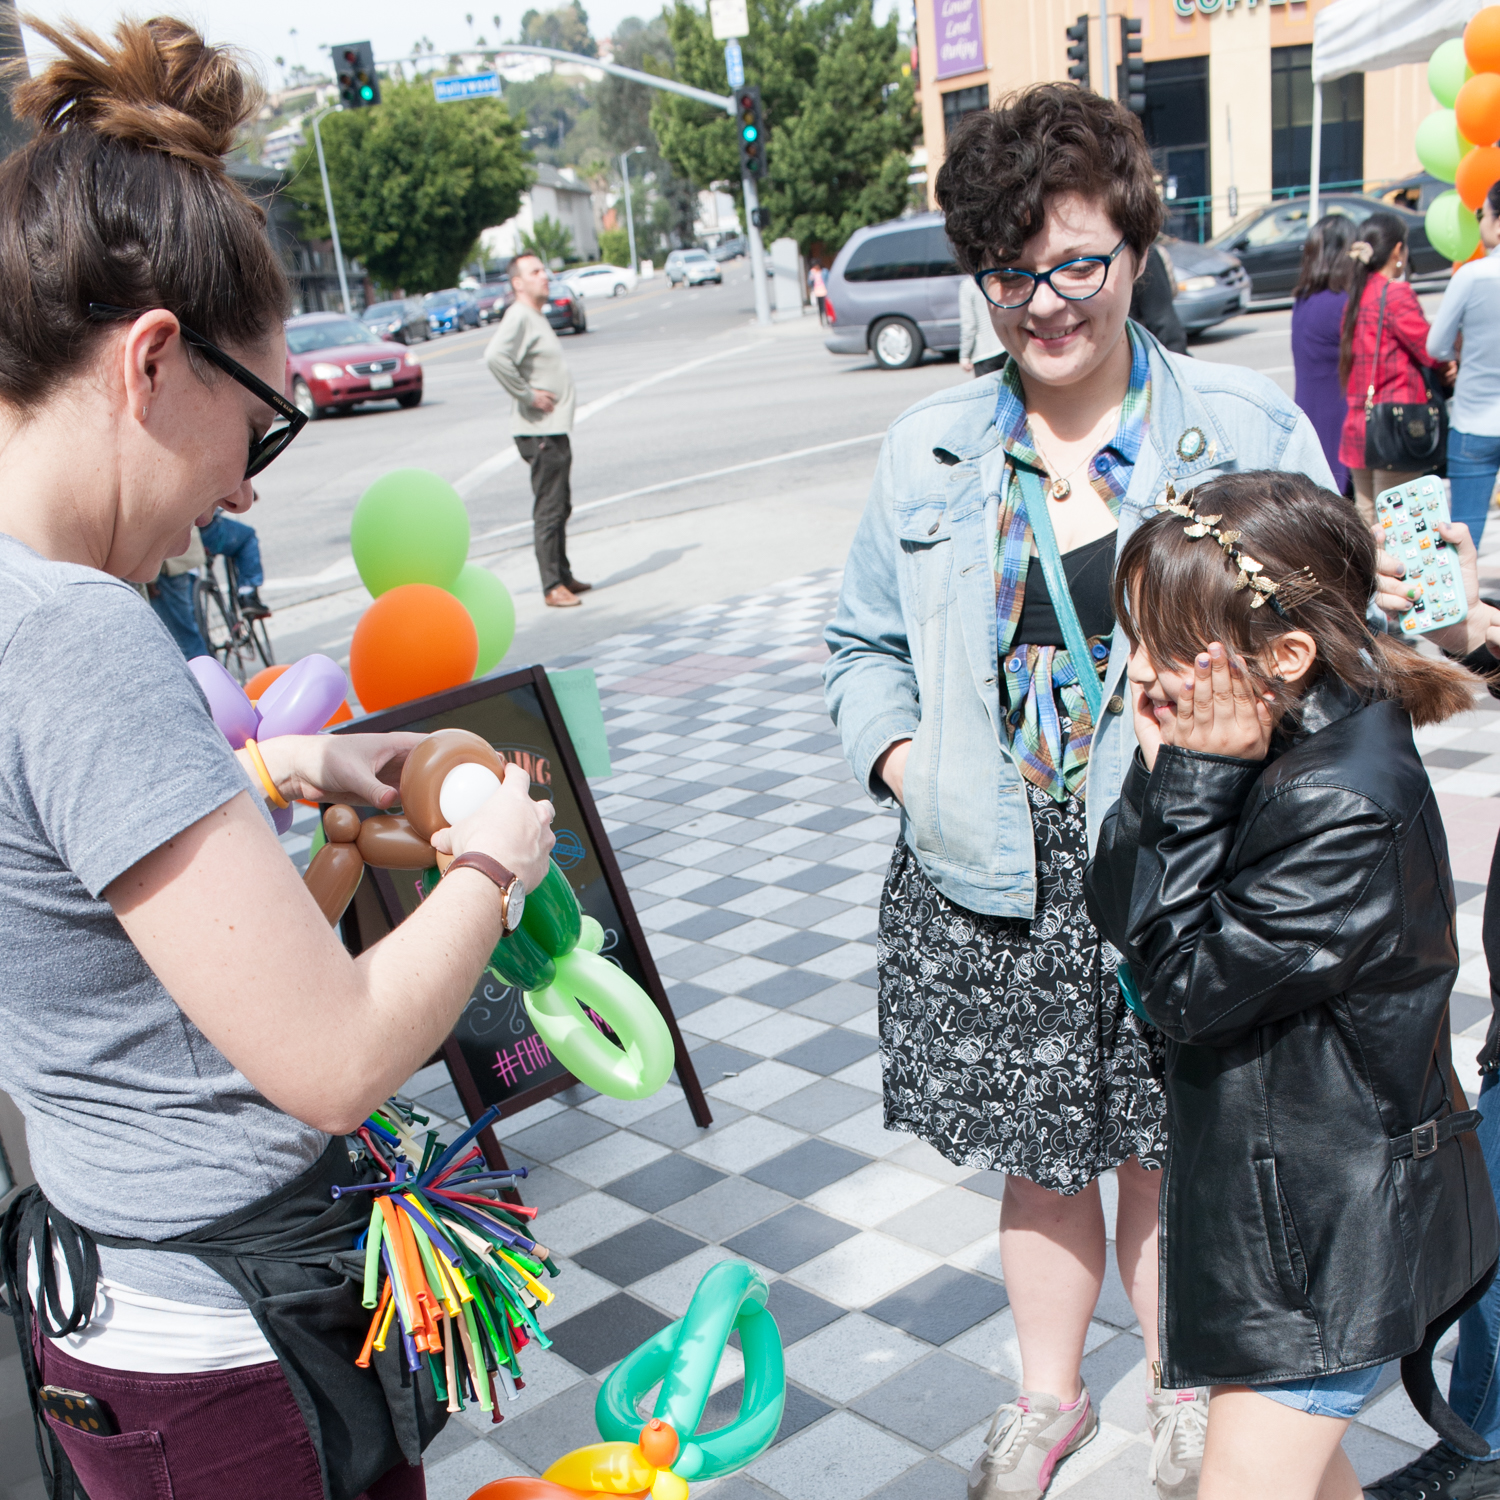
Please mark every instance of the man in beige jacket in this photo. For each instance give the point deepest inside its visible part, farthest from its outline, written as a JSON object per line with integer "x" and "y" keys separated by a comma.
{"x": 526, "y": 357}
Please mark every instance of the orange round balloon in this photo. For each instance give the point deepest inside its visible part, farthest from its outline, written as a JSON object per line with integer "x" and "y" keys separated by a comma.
{"x": 414, "y": 640}
{"x": 255, "y": 689}
{"x": 1477, "y": 173}
{"x": 520, "y": 1488}
{"x": 1482, "y": 40}
{"x": 1477, "y": 109}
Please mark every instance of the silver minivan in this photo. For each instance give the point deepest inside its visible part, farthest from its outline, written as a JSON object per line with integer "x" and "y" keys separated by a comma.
{"x": 893, "y": 291}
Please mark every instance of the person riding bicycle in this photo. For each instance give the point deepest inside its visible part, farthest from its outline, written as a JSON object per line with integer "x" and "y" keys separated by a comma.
{"x": 233, "y": 539}
{"x": 171, "y": 596}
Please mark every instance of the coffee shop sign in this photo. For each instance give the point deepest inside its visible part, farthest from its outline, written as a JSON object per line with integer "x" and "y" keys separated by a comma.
{"x": 1208, "y": 7}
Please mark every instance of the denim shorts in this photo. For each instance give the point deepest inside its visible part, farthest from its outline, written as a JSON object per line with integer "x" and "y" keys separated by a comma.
{"x": 1327, "y": 1395}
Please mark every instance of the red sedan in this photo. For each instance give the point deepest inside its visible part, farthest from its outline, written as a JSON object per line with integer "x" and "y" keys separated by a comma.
{"x": 333, "y": 361}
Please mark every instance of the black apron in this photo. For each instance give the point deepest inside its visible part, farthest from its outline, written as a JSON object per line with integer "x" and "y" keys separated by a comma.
{"x": 291, "y": 1257}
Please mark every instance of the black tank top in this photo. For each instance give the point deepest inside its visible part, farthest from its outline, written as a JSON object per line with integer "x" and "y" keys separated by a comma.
{"x": 1089, "y": 569}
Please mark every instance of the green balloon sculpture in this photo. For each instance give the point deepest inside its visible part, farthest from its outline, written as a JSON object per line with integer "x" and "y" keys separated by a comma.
{"x": 409, "y": 527}
{"x": 1451, "y": 228}
{"x": 1440, "y": 147}
{"x": 552, "y": 957}
{"x": 1447, "y": 72}
{"x": 491, "y": 608}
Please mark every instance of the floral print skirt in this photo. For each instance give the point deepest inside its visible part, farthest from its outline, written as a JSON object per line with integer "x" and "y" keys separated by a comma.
{"x": 1005, "y": 1043}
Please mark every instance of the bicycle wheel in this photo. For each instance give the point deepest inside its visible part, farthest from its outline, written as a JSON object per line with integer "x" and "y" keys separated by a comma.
{"x": 251, "y": 639}
{"x": 261, "y": 642}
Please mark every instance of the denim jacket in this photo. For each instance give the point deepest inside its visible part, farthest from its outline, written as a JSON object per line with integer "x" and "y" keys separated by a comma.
{"x": 915, "y": 650}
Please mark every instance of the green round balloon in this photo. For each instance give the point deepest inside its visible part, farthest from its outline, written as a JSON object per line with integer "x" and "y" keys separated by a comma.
{"x": 409, "y": 527}
{"x": 1451, "y": 227}
{"x": 1448, "y": 71}
{"x": 1440, "y": 147}
{"x": 492, "y": 610}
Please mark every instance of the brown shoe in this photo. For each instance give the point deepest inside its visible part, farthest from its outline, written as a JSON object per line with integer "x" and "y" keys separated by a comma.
{"x": 579, "y": 588}
{"x": 560, "y": 596}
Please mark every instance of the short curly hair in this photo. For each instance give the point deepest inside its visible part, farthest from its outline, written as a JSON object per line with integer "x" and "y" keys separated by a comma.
{"x": 1003, "y": 164}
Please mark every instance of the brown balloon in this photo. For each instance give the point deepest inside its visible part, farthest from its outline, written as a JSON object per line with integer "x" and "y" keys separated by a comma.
{"x": 426, "y": 767}
{"x": 333, "y": 877}
{"x": 340, "y": 824}
{"x": 391, "y": 843}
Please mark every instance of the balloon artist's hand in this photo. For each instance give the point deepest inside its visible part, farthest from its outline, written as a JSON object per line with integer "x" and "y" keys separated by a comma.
{"x": 1396, "y": 594}
{"x": 1220, "y": 712}
{"x": 891, "y": 768}
{"x": 512, "y": 827}
{"x": 364, "y": 769}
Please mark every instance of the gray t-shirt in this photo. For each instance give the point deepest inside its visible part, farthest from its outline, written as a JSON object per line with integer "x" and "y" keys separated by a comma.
{"x": 137, "y": 1125}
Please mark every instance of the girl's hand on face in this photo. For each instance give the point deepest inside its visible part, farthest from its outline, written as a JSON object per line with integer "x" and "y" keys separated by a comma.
{"x": 1147, "y": 730}
{"x": 1220, "y": 712}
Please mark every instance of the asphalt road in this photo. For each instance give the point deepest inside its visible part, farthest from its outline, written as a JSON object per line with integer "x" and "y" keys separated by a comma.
{"x": 710, "y": 458}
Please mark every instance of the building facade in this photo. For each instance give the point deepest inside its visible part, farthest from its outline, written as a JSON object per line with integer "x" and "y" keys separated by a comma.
{"x": 556, "y": 194}
{"x": 1228, "y": 93}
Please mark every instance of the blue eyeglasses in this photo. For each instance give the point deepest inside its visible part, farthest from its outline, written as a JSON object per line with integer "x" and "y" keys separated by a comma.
{"x": 1074, "y": 280}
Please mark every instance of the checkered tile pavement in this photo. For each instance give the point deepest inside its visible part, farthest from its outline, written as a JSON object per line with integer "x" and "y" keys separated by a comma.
{"x": 755, "y": 863}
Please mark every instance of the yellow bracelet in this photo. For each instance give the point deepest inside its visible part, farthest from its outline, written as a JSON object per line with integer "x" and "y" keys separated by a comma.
{"x": 277, "y": 800}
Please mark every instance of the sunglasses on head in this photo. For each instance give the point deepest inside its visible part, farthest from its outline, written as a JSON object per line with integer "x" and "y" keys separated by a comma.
{"x": 262, "y": 449}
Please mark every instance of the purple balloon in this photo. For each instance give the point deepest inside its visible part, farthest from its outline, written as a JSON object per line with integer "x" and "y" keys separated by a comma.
{"x": 231, "y": 709}
{"x": 303, "y": 698}
{"x": 282, "y": 818}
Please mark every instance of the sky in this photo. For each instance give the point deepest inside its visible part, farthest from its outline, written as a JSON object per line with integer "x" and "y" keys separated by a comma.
{"x": 265, "y": 29}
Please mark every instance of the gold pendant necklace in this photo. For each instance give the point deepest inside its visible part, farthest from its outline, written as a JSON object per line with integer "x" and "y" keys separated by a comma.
{"x": 1062, "y": 484}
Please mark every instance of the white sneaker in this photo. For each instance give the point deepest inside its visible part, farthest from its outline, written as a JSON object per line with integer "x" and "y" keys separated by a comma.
{"x": 1027, "y": 1440}
{"x": 1179, "y": 1421}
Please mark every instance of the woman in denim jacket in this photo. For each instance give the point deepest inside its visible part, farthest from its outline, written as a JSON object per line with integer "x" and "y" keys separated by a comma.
{"x": 1005, "y": 1042}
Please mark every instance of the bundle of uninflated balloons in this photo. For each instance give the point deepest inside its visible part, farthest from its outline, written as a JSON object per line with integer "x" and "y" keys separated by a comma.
{"x": 1458, "y": 142}
{"x": 438, "y": 620}
{"x": 454, "y": 1274}
{"x": 658, "y": 1458}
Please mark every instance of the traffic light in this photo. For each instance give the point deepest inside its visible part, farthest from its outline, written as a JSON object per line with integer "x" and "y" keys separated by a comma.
{"x": 1130, "y": 76}
{"x": 750, "y": 131}
{"x": 354, "y": 68}
{"x": 1078, "y": 52}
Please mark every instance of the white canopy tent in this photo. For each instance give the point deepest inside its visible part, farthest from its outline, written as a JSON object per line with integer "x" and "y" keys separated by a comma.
{"x": 1364, "y": 36}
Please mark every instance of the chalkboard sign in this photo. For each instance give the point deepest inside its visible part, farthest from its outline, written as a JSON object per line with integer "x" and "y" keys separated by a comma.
{"x": 494, "y": 1053}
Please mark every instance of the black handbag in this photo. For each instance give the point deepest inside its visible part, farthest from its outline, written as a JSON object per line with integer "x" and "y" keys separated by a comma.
{"x": 1405, "y": 437}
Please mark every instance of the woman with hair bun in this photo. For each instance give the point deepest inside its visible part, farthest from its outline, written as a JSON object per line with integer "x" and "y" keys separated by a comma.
{"x": 976, "y": 679}
{"x": 184, "y": 1034}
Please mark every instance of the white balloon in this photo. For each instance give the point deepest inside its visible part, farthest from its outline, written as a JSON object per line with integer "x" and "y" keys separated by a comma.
{"x": 466, "y": 788}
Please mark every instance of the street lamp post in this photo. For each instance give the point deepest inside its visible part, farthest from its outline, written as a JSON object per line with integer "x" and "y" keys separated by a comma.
{"x": 635, "y": 265}
{"x": 333, "y": 223}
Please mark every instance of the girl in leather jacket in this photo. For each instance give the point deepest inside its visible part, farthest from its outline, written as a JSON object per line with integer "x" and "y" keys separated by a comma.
{"x": 1276, "y": 875}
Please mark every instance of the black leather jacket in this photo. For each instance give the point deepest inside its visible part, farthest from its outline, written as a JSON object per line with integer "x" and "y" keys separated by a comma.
{"x": 1290, "y": 927}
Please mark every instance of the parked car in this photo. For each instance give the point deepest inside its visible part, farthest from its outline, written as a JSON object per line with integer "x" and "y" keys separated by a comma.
{"x": 564, "y": 309}
{"x": 1415, "y": 192}
{"x": 893, "y": 291}
{"x": 1209, "y": 285}
{"x": 493, "y": 298}
{"x": 451, "y": 311}
{"x": 403, "y": 321}
{"x": 601, "y": 281}
{"x": 692, "y": 268}
{"x": 731, "y": 247}
{"x": 336, "y": 362}
{"x": 1268, "y": 241}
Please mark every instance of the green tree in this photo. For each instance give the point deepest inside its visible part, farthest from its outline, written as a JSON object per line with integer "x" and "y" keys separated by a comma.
{"x": 550, "y": 239}
{"x": 566, "y": 28}
{"x": 414, "y": 182}
{"x": 842, "y": 119}
{"x": 614, "y": 247}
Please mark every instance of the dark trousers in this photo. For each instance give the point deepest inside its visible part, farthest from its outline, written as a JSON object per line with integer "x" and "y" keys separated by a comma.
{"x": 172, "y": 599}
{"x": 550, "y": 459}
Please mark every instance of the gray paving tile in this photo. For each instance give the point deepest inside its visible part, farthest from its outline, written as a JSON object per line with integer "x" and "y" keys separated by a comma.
{"x": 641, "y": 1250}
{"x": 795, "y": 1235}
{"x": 707, "y": 924}
{"x": 814, "y": 878}
{"x": 540, "y": 1436}
{"x": 664, "y": 1182}
{"x": 991, "y": 1184}
{"x": 721, "y": 892}
{"x": 756, "y": 804}
{"x": 940, "y": 1305}
{"x": 714, "y": 1060}
{"x": 732, "y": 861}
{"x": 556, "y": 1136}
{"x": 798, "y": 948}
{"x": 933, "y": 1401}
{"x": 599, "y": 1336}
{"x": 545, "y": 1187}
{"x": 1465, "y": 1010}
{"x": 799, "y": 1312}
{"x": 837, "y": 1004}
{"x": 786, "y": 988}
{"x": 829, "y": 1051}
{"x": 808, "y": 1166}
{"x": 686, "y": 998}
{"x": 820, "y": 1105}
{"x": 834, "y": 819}
{"x": 725, "y": 1208}
{"x": 934, "y": 1480}
{"x": 1124, "y": 1477}
{"x": 675, "y": 1126}
{"x": 801, "y": 1410}
{"x": 689, "y": 962}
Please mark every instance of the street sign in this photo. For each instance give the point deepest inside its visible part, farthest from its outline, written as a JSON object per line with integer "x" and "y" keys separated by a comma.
{"x": 474, "y": 86}
{"x": 734, "y": 63}
{"x": 730, "y": 18}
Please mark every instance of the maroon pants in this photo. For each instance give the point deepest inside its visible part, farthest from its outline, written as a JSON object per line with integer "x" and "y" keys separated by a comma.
{"x": 225, "y": 1435}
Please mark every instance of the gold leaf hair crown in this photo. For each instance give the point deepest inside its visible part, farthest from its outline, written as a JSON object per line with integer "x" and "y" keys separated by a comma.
{"x": 1288, "y": 593}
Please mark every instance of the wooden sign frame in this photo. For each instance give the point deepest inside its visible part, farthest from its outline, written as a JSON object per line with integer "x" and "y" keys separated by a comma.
{"x": 377, "y": 907}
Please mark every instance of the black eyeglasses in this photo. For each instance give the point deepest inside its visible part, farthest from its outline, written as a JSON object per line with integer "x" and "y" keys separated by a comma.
{"x": 262, "y": 449}
{"x": 1077, "y": 280}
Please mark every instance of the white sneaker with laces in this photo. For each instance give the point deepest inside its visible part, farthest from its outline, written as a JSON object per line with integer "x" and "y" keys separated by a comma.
{"x": 1027, "y": 1440}
{"x": 1179, "y": 1421}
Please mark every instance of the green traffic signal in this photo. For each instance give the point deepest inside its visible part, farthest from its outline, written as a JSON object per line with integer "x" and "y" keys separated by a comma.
{"x": 750, "y": 133}
{"x": 367, "y": 93}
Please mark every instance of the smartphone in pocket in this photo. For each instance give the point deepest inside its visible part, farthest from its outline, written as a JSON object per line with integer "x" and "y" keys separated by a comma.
{"x": 77, "y": 1409}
